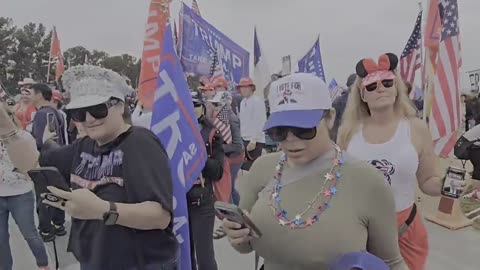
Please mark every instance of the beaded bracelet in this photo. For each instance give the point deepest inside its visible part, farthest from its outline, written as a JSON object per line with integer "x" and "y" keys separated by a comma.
{"x": 7, "y": 136}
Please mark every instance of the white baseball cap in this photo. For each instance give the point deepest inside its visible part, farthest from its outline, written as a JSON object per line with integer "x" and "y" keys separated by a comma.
{"x": 298, "y": 100}
{"x": 93, "y": 85}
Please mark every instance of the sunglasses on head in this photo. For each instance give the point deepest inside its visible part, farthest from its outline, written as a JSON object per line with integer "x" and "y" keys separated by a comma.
{"x": 374, "y": 86}
{"x": 280, "y": 134}
{"x": 99, "y": 111}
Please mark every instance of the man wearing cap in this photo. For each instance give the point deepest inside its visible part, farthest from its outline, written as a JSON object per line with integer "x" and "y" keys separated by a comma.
{"x": 25, "y": 109}
{"x": 252, "y": 118}
{"x": 121, "y": 201}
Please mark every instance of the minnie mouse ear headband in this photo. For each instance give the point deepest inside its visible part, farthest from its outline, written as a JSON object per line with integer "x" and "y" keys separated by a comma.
{"x": 372, "y": 72}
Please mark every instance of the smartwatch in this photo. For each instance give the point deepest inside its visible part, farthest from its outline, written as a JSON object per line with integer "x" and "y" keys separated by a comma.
{"x": 110, "y": 218}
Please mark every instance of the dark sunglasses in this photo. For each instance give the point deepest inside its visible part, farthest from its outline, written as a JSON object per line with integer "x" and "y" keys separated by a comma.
{"x": 99, "y": 111}
{"x": 373, "y": 86}
{"x": 279, "y": 134}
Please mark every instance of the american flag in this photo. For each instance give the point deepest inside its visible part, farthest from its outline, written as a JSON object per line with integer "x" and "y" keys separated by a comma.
{"x": 222, "y": 124}
{"x": 445, "y": 116}
{"x": 216, "y": 69}
{"x": 335, "y": 90}
{"x": 411, "y": 59}
{"x": 195, "y": 8}
{"x": 3, "y": 93}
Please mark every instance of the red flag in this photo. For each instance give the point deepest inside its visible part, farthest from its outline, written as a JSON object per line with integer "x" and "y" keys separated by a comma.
{"x": 152, "y": 51}
{"x": 56, "y": 55}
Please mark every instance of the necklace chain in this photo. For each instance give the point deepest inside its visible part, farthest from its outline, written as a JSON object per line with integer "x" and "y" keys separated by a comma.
{"x": 322, "y": 198}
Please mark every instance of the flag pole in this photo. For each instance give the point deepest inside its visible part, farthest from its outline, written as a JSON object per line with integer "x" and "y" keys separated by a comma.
{"x": 50, "y": 55}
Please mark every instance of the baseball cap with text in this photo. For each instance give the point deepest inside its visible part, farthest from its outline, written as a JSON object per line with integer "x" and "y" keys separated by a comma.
{"x": 298, "y": 100}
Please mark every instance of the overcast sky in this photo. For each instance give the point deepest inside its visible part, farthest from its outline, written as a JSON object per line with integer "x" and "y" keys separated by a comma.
{"x": 349, "y": 30}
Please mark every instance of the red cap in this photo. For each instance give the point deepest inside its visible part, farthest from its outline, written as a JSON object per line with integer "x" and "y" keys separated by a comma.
{"x": 245, "y": 82}
{"x": 207, "y": 87}
{"x": 220, "y": 82}
{"x": 57, "y": 95}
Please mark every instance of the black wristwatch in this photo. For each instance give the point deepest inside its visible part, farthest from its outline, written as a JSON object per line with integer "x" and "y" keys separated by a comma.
{"x": 110, "y": 218}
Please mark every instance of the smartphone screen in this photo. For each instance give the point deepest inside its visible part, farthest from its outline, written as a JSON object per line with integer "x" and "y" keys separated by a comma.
{"x": 234, "y": 214}
{"x": 448, "y": 189}
{"x": 48, "y": 176}
{"x": 51, "y": 122}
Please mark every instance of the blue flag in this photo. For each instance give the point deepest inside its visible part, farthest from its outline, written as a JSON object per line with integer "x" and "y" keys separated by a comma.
{"x": 175, "y": 124}
{"x": 312, "y": 62}
{"x": 199, "y": 44}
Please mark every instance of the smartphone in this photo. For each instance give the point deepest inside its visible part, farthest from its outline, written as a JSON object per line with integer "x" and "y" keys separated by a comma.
{"x": 453, "y": 174}
{"x": 48, "y": 176}
{"x": 235, "y": 214}
{"x": 51, "y": 122}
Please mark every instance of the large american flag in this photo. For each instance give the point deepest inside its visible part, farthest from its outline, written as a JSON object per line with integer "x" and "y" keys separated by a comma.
{"x": 411, "y": 59}
{"x": 445, "y": 116}
{"x": 222, "y": 124}
{"x": 195, "y": 8}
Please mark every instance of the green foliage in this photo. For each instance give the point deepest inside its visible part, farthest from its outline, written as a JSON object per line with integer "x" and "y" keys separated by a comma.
{"x": 24, "y": 53}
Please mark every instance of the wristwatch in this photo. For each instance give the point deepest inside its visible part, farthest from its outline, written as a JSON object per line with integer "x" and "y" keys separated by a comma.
{"x": 110, "y": 218}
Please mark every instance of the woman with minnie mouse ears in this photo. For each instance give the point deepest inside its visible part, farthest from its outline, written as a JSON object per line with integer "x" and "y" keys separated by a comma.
{"x": 380, "y": 127}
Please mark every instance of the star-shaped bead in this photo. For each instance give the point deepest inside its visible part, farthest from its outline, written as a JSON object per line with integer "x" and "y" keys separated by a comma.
{"x": 274, "y": 195}
{"x": 338, "y": 175}
{"x": 292, "y": 226}
{"x": 333, "y": 190}
{"x": 309, "y": 222}
{"x": 282, "y": 222}
{"x": 329, "y": 176}
{"x": 336, "y": 162}
{"x": 278, "y": 167}
{"x": 298, "y": 222}
{"x": 327, "y": 193}
{"x": 298, "y": 217}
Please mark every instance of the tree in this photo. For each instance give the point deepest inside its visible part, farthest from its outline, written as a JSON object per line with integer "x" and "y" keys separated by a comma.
{"x": 76, "y": 56}
{"x": 7, "y": 47}
{"x": 97, "y": 58}
{"x": 31, "y": 53}
{"x": 125, "y": 65}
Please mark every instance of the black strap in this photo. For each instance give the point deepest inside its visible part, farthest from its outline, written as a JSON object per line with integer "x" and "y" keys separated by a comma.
{"x": 412, "y": 215}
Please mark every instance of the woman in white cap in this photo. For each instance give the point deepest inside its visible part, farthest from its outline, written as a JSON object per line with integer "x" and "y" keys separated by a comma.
{"x": 311, "y": 202}
{"x": 121, "y": 201}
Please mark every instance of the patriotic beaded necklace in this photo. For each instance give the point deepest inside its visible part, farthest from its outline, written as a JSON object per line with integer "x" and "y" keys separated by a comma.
{"x": 321, "y": 200}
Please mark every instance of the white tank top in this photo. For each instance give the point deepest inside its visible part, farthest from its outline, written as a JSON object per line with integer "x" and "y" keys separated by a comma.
{"x": 397, "y": 159}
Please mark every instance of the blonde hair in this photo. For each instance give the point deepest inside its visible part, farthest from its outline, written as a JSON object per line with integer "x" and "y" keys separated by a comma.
{"x": 356, "y": 110}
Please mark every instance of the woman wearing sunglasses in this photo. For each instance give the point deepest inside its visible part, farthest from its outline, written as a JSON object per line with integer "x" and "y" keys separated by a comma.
{"x": 311, "y": 202}
{"x": 121, "y": 201}
{"x": 380, "y": 127}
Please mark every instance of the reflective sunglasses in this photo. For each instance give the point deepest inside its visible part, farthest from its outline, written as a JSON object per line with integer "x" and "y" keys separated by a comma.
{"x": 279, "y": 134}
{"x": 99, "y": 111}
{"x": 374, "y": 86}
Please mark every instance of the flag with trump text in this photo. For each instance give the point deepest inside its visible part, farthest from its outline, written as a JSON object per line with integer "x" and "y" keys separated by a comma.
{"x": 312, "y": 62}
{"x": 175, "y": 124}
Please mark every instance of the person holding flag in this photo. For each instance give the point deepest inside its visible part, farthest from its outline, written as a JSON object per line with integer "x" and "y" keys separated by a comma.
{"x": 201, "y": 197}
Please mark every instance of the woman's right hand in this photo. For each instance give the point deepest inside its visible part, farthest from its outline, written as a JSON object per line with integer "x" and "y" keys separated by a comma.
{"x": 236, "y": 235}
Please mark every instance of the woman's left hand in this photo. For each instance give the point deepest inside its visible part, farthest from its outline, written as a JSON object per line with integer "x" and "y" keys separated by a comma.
{"x": 80, "y": 203}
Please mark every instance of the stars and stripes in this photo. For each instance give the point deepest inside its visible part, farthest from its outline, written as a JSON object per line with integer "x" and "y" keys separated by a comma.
{"x": 335, "y": 90}
{"x": 222, "y": 124}
{"x": 195, "y": 8}
{"x": 411, "y": 58}
{"x": 3, "y": 93}
{"x": 445, "y": 115}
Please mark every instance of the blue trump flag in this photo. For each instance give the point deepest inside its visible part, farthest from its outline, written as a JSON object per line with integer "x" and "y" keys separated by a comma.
{"x": 312, "y": 62}
{"x": 200, "y": 41}
{"x": 175, "y": 124}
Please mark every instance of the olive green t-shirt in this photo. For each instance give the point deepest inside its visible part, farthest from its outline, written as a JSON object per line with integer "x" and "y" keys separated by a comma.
{"x": 361, "y": 216}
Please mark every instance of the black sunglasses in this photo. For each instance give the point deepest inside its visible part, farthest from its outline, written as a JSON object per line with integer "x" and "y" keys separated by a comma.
{"x": 279, "y": 134}
{"x": 99, "y": 111}
{"x": 373, "y": 86}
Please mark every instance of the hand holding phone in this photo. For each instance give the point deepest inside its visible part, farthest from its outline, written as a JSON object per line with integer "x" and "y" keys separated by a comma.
{"x": 48, "y": 176}
{"x": 236, "y": 219}
{"x": 454, "y": 182}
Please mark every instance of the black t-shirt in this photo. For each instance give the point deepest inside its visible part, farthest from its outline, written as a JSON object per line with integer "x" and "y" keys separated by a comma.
{"x": 133, "y": 168}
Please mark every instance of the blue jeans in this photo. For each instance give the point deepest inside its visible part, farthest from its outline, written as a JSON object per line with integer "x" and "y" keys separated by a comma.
{"x": 234, "y": 169}
{"x": 22, "y": 209}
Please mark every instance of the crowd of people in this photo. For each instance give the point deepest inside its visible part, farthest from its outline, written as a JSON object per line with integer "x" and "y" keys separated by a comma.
{"x": 335, "y": 185}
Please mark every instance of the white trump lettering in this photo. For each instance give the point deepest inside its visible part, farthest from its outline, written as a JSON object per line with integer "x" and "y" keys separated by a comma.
{"x": 151, "y": 43}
